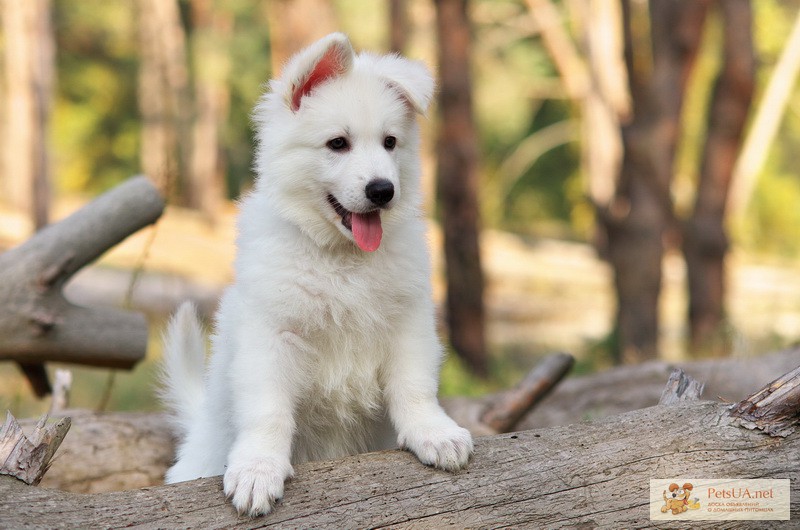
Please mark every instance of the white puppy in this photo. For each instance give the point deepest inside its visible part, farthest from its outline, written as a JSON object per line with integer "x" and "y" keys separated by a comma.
{"x": 325, "y": 345}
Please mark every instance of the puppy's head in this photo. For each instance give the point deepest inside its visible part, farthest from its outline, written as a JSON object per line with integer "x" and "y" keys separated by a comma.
{"x": 338, "y": 142}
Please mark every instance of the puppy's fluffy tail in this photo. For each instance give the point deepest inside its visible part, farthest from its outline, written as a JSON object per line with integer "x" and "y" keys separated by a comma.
{"x": 182, "y": 368}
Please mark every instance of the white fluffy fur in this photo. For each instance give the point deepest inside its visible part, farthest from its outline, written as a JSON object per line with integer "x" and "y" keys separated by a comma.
{"x": 320, "y": 349}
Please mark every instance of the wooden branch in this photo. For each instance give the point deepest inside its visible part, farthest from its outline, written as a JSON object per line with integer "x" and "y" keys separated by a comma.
{"x": 775, "y": 409}
{"x": 593, "y": 475}
{"x": 28, "y": 458}
{"x": 36, "y": 376}
{"x": 505, "y": 412}
{"x": 37, "y": 324}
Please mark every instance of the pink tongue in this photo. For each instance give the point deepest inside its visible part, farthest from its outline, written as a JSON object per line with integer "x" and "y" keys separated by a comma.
{"x": 367, "y": 230}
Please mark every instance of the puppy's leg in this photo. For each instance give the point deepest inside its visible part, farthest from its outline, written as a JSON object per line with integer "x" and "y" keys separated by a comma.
{"x": 411, "y": 387}
{"x": 263, "y": 377}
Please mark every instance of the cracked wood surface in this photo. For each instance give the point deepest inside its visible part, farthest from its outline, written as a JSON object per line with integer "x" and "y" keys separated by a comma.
{"x": 586, "y": 475}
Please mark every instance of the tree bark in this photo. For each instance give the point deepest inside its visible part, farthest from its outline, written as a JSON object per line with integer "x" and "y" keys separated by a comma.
{"x": 294, "y": 24}
{"x": 164, "y": 95}
{"x": 27, "y": 458}
{"x": 640, "y": 215}
{"x": 37, "y": 323}
{"x": 210, "y": 47}
{"x": 571, "y": 67}
{"x": 398, "y": 26}
{"x": 606, "y": 104}
{"x": 457, "y": 187}
{"x": 705, "y": 241}
{"x": 553, "y": 478}
{"x": 775, "y": 409}
{"x": 29, "y": 66}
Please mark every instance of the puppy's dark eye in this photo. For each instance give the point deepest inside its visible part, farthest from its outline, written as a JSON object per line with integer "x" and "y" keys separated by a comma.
{"x": 389, "y": 143}
{"x": 338, "y": 144}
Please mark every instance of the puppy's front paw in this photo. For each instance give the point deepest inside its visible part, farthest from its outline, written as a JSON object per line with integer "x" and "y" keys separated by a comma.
{"x": 254, "y": 485}
{"x": 444, "y": 445}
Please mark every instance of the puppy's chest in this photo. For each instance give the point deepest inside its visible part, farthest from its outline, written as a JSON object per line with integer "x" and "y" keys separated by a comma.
{"x": 350, "y": 332}
{"x": 346, "y": 304}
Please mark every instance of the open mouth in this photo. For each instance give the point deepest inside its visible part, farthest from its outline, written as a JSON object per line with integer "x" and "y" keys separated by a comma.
{"x": 366, "y": 227}
{"x": 341, "y": 211}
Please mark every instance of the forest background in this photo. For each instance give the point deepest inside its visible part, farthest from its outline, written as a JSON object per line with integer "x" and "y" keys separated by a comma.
{"x": 166, "y": 88}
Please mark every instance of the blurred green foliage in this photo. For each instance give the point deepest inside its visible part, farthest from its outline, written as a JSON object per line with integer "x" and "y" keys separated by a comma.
{"x": 96, "y": 122}
{"x": 96, "y": 126}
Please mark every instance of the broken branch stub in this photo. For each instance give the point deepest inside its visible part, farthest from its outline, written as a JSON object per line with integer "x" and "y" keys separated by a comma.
{"x": 28, "y": 457}
{"x": 775, "y": 409}
{"x": 681, "y": 387}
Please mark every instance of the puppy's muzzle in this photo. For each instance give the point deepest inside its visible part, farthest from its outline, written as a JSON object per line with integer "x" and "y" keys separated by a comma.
{"x": 379, "y": 192}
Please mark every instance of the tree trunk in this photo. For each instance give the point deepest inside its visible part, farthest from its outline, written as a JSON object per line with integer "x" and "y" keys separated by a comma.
{"x": 570, "y": 66}
{"x": 596, "y": 475}
{"x": 607, "y": 101}
{"x": 771, "y": 109}
{"x": 164, "y": 95}
{"x": 640, "y": 215}
{"x": 398, "y": 26}
{"x": 705, "y": 241}
{"x": 294, "y": 24}
{"x": 457, "y": 183}
{"x": 210, "y": 47}
{"x": 29, "y": 66}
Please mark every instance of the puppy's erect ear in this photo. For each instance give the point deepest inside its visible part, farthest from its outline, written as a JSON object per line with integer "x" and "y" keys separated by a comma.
{"x": 411, "y": 78}
{"x": 327, "y": 58}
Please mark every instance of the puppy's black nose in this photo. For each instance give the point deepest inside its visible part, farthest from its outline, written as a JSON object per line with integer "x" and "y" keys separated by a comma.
{"x": 379, "y": 191}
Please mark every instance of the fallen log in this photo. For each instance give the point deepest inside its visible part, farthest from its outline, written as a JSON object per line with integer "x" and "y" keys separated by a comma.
{"x": 111, "y": 452}
{"x": 133, "y": 449}
{"x": 627, "y": 388}
{"x": 37, "y": 324}
{"x": 633, "y": 387}
{"x": 595, "y": 474}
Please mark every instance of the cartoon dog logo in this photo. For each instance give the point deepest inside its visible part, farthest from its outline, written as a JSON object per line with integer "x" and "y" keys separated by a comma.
{"x": 678, "y": 499}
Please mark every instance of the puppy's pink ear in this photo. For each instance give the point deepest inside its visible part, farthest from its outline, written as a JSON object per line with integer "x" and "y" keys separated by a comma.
{"x": 326, "y": 59}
